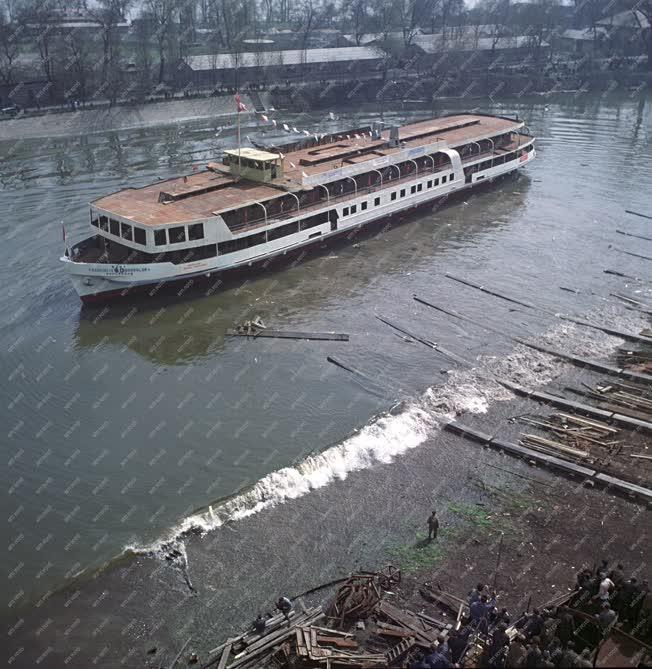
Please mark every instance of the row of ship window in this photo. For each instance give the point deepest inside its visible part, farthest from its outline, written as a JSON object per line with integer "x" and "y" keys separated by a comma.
{"x": 132, "y": 233}
{"x": 416, "y": 188}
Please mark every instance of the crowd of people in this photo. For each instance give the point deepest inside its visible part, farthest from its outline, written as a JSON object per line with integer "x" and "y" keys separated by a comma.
{"x": 548, "y": 638}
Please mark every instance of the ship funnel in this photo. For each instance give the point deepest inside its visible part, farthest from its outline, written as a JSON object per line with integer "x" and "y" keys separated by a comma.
{"x": 393, "y": 136}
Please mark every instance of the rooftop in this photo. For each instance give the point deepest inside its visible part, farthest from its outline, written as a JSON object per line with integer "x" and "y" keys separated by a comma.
{"x": 228, "y": 61}
{"x": 436, "y": 43}
{"x": 252, "y": 154}
{"x": 201, "y": 194}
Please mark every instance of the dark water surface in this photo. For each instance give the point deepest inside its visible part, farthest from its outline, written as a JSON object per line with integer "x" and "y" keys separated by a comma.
{"x": 122, "y": 425}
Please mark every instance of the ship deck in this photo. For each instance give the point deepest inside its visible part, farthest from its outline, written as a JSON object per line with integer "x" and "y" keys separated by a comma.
{"x": 202, "y": 194}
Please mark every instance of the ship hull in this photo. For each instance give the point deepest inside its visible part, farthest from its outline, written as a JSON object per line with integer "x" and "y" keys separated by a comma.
{"x": 211, "y": 280}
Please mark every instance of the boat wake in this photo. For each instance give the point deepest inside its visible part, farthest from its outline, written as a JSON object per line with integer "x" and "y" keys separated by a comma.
{"x": 406, "y": 427}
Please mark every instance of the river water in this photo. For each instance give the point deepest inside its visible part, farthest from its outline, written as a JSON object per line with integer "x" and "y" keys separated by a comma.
{"x": 122, "y": 425}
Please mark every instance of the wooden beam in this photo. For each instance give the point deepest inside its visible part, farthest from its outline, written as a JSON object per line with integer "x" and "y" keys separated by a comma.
{"x": 631, "y": 234}
{"x": 279, "y": 334}
{"x": 588, "y": 362}
{"x": 636, "y": 213}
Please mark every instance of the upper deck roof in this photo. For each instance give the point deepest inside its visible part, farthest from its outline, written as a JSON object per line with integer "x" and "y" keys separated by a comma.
{"x": 200, "y": 195}
{"x": 252, "y": 154}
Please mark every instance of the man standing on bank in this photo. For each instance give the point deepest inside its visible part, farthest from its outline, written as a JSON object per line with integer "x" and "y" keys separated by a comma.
{"x": 433, "y": 526}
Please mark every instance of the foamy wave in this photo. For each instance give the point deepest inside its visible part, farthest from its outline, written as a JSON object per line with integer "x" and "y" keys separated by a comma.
{"x": 465, "y": 391}
{"x": 380, "y": 441}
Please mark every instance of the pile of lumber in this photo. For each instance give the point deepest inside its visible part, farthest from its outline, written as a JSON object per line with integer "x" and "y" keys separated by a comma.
{"x": 358, "y": 596}
{"x": 570, "y": 436}
{"x": 373, "y": 634}
{"x": 255, "y": 650}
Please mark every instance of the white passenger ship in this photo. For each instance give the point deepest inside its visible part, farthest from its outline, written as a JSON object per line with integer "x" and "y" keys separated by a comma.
{"x": 257, "y": 205}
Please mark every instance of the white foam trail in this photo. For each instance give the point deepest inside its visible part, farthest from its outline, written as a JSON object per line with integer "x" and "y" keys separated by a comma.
{"x": 380, "y": 441}
{"x": 466, "y": 391}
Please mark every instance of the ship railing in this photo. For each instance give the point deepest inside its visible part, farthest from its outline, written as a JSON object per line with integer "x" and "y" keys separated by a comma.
{"x": 277, "y": 217}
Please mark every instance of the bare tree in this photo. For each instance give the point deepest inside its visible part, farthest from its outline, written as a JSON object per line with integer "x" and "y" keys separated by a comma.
{"x": 77, "y": 58}
{"x": 308, "y": 18}
{"x": 408, "y": 19}
{"x": 357, "y": 11}
{"x": 383, "y": 17}
{"x": 38, "y": 16}
{"x": 109, "y": 14}
{"x": 162, "y": 14}
{"x": 9, "y": 48}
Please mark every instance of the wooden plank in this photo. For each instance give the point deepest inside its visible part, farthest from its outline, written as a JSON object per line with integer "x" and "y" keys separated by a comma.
{"x": 636, "y": 213}
{"x": 588, "y": 422}
{"x": 580, "y": 361}
{"x": 279, "y": 334}
{"x": 225, "y": 656}
{"x": 426, "y": 342}
{"x": 333, "y": 632}
{"x": 336, "y": 641}
{"x": 631, "y": 234}
{"x": 494, "y": 293}
{"x": 630, "y": 253}
{"x": 575, "y": 452}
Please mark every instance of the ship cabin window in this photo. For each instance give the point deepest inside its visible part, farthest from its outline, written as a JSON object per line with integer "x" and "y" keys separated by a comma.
{"x": 312, "y": 221}
{"x": 413, "y": 190}
{"x": 363, "y": 206}
{"x": 419, "y": 188}
{"x": 241, "y": 243}
{"x": 354, "y": 208}
{"x": 115, "y": 228}
{"x": 452, "y": 177}
{"x": 139, "y": 236}
{"x": 376, "y": 201}
{"x": 437, "y": 181}
{"x": 429, "y": 184}
{"x": 393, "y": 196}
{"x": 104, "y": 223}
{"x": 402, "y": 192}
{"x": 127, "y": 231}
{"x": 196, "y": 231}
{"x": 282, "y": 231}
{"x": 160, "y": 238}
{"x": 177, "y": 235}
{"x": 443, "y": 179}
{"x": 345, "y": 211}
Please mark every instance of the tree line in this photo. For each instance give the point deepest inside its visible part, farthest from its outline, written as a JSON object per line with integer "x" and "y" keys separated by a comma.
{"x": 47, "y": 39}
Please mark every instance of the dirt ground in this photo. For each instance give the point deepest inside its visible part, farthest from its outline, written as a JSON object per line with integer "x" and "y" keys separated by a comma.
{"x": 529, "y": 545}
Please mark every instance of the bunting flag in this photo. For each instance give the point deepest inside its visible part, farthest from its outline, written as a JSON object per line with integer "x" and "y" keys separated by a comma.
{"x": 286, "y": 127}
{"x": 305, "y": 132}
{"x": 294, "y": 130}
{"x": 238, "y": 103}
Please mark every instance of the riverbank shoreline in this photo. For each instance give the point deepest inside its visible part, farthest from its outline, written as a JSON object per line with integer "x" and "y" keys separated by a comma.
{"x": 543, "y": 526}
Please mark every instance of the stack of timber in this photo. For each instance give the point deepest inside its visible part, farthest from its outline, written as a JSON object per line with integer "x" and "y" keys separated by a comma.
{"x": 361, "y": 631}
{"x": 254, "y": 650}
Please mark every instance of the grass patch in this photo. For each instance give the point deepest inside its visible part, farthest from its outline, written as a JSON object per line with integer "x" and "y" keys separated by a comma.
{"x": 420, "y": 554}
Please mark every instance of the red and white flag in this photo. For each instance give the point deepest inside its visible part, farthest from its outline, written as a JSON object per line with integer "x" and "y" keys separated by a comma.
{"x": 239, "y": 105}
